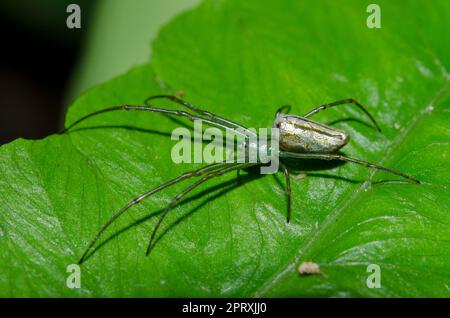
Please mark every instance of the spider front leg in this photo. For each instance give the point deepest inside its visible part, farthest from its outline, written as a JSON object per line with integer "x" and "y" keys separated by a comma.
{"x": 202, "y": 112}
{"x": 343, "y": 102}
{"x": 169, "y": 112}
{"x": 285, "y": 154}
{"x": 283, "y": 109}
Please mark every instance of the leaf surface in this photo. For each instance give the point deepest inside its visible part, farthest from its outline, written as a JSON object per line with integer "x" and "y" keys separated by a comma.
{"x": 243, "y": 60}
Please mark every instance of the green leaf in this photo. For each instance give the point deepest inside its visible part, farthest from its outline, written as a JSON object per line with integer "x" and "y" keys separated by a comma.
{"x": 243, "y": 60}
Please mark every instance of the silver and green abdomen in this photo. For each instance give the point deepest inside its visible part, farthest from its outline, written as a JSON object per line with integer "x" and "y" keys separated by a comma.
{"x": 300, "y": 135}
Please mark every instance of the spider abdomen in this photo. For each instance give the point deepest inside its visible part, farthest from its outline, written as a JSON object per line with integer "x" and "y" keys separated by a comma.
{"x": 300, "y": 135}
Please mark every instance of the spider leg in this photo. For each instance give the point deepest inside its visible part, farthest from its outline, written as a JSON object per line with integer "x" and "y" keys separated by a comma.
{"x": 145, "y": 195}
{"x": 288, "y": 191}
{"x": 282, "y": 109}
{"x": 157, "y": 110}
{"x": 179, "y": 196}
{"x": 204, "y": 113}
{"x": 285, "y": 154}
{"x": 342, "y": 102}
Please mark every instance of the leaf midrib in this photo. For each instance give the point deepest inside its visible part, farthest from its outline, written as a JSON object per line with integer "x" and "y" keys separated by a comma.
{"x": 276, "y": 277}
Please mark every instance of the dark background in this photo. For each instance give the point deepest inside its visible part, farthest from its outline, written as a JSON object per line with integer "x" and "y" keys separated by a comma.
{"x": 37, "y": 56}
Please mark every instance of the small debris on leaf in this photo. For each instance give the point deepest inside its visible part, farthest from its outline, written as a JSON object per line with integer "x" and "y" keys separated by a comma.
{"x": 309, "y": 268}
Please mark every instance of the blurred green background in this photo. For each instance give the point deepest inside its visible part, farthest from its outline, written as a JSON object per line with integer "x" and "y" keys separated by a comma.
{"x": 44, "y": 65}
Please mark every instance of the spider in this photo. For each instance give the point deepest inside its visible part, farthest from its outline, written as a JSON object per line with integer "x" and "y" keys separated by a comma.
{"x": 299, "y": 138}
